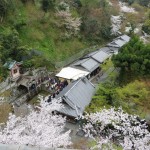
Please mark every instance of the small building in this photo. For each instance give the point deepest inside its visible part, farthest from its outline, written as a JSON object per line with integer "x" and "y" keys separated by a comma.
{"x": 119, "y": 41}
{"x": 76, "y": 96}
{"x": 70, "y": 73}
{"x": 124, "y": 38}
{"x": 87, "y": 64}
{"x": 15, "y": 69}
{"x": 100, "y": 55}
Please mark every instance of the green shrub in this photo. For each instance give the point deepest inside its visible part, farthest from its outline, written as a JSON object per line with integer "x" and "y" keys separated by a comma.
{"x": 146, "y": 26}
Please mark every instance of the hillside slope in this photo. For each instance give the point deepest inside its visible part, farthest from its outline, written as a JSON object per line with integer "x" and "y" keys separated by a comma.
{"x": 47, "y": 31}
{"x": 38, "y": 30}
{"x": 59, "y": 29}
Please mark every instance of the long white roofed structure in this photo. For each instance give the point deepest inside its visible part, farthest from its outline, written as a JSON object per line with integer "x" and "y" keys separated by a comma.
{"x": 71, "y": 73}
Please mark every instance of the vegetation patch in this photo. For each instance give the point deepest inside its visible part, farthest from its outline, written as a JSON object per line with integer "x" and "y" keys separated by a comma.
{"x": 108, "y": 64}
{"x": 5, "y": 109}
{"x": 6, "y": 93}
{"x": 133, "y": 97}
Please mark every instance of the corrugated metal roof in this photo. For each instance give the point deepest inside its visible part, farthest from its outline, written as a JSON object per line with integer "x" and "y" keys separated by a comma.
{"x": 80, "y": 94}
{"x": 125, "y": 38}
{"x": 113, "y": 44}
{"x": 90, "y": 54}
{"x": 101, "y": 56}
{"x": 88, "y": 63}
{"x": 77, "y": 97}
{"x": 106, "y": 49}
{"x": 66, "y": 89}
{"x": 67, "y": 110}
{"x": 120, "y": 43}
{"x": 10, "y": 64}
{"x": 117, "y": 43}
{"x": 114, "y": 48}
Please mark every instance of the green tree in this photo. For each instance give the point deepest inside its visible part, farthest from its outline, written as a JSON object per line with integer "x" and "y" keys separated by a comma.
{"x": 25, "y": 1}
{"x": 146, "y": 26}
{"x": 96, "y": 24}
{"x": 38, "y": 61}
{"x": 104, "y": 4}
{"x": 48, "y": 4}
{"x": 144, "y": 2}
{"x": 10, "y": 47}
{"x": 3, "y": 73}
{"x": 131, "y": 97}
{"x": 78, "y": 3}
{"x": 5, "y": 6}
{"x": 133, "y": 58}
{"x": 130, "y": 2}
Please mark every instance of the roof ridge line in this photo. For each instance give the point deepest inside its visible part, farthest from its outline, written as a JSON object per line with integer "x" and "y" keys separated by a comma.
{"x": 66, "y": 97}
{"x": 73, "y": 86}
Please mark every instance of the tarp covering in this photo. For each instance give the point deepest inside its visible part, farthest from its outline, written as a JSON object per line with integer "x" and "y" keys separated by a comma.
{"x": 71, "y": 73}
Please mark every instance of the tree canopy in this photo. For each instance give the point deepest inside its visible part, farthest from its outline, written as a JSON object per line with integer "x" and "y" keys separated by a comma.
{"x": 11, "y": 47}
{"x": 5, "y": 6}
{"x": 114, "y": 125}
{"x": 96, "y": 23}
{"x": 3, "y": 72}
{"x": 133, "y": 97}
{"x": 141, "y": 2}
{"x": 134, "y": 57}
{"x": 39, "y": 128}
{"x": 48, "y": 4}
